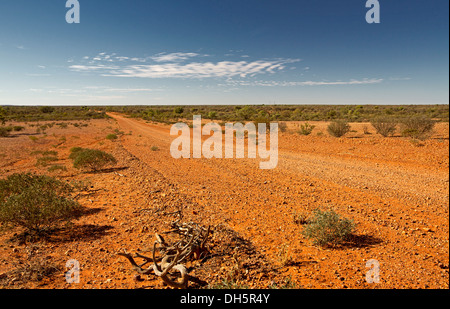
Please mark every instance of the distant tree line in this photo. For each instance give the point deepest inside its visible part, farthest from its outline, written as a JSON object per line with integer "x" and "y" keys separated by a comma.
{"x": 267, "y": 113}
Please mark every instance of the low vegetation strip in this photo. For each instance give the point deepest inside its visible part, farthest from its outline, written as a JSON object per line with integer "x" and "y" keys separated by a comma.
{"x": 263, "y": 113}
{"x": 49, "y": 113}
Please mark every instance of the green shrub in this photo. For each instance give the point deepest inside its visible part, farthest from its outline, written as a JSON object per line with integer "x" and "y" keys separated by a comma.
{"x": 418, "y": 127}
{"x": 75, "y": 149}
{"x": 36, "y": 202}
{"x": 111, "y": 137}
{"x": 4, "y": 131}
{"x": 154, "y": 148}
{"x": 178, "y": 110}
{"x": 118, "y": 132}
{"x": 92, "y": 159}
{"x": 338, "y": 128}
{"x": 385, "y": 127}
{"x": 306, "y": 129}
{"x": 327, "y": 227}
{"x": 2, "y": 115}
{"x": 46, "y": 109}
{"x": 18, "y": 128}
{"x": 245, "y": 113}
{"x": 74, "y": 152}
{"x": 262, "y": 119}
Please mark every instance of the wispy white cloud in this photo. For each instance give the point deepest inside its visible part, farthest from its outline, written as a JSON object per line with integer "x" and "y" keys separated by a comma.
{"x": 92, "y": 68}
{"x": 137, "y": 59}
{"x": 110, "y": 58}
{"x": 180, "y": 65}
{"x": 261, "y": 83}
{"x": 190, "y": 70}
{"x": 173, "y": 57}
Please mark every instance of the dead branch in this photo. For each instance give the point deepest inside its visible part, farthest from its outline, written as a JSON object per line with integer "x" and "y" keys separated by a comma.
{"x": 191, "y": 245}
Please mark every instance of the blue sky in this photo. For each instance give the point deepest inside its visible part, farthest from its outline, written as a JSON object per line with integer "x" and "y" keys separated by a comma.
{"x": 223, "y": 52}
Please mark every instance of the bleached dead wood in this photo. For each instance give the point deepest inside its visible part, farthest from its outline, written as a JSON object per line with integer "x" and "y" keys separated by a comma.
{"x": 173, "y": 256}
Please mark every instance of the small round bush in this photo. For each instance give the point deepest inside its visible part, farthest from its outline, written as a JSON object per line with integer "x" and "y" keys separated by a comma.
{"x": 306, "y": 129}
{"x": 338, "y": 128}
{"x": 36, "y": 202}
{"x": 4, "y": 131}
{"x": 111, "y": 137}
{"x": 92, "y": 159}
{"x": 18, "y": 128}
{"x": 328, "y": 228}
{"x": 385, "y": 127}
{"x": 418, "y": 127}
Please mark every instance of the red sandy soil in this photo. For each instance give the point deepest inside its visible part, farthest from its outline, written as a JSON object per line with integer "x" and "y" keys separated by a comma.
{"x": 394, "y": 189}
